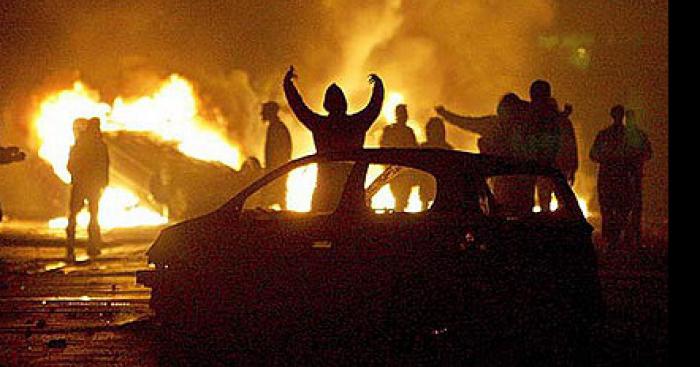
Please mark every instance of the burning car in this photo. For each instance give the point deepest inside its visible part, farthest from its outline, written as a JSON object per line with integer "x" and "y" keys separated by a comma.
{"x": 462, "y": 278}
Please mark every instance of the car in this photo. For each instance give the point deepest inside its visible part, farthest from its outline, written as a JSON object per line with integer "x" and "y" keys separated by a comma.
{"x": 463, "y": 277}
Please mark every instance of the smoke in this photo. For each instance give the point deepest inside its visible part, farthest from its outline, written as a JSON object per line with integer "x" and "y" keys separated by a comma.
{"x": 462, "y": 54}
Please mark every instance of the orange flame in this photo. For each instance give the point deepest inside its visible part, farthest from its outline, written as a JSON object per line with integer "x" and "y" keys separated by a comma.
{"x": 172, "y": 113}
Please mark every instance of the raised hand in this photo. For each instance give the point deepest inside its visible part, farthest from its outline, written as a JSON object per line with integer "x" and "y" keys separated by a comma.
{"x": 373, "y": 78}
{"x": 290, "y": 73}
{"x": 440, "y": 110}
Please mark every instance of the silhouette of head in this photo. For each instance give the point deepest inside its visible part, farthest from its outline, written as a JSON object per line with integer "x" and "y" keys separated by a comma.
{"x": 435, "y": 130}
{"x": 540, "y": 89}
{"x": 93, "y": 128}
{"x": 269, "y": 111}
{"x": 617, "y": 113}
{"x": 334, "y": 101}
{"x": 401, "y": 112}
{"x": 509, "y": 106}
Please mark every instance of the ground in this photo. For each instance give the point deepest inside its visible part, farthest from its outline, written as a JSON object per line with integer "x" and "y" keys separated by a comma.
{"x": 94, "y": 313}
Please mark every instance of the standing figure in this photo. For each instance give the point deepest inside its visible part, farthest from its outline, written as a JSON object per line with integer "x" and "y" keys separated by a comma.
{"x": 566, "y": 157}
{"x": 337, "y": 131}
{"x": 509, "y": 134}
{"x": 88, "y": 165}
{"x": 400, "y": 135}
{"x": 638, "y": 152}
{"x": 615, "y": 188}
{"x": 435, "y": 138}
{"x": 278, "y": 151}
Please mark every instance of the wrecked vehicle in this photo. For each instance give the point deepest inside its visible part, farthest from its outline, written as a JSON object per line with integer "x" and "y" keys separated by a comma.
{"x": 465, "y": 278}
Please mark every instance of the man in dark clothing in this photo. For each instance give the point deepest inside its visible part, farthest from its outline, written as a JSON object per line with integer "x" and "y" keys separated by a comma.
{"x": 400, "y": 135}
{"x": 566, "y": 156}
{"x": 638, "y": 152}
{"x": 505, "y": 134}
{"x": 278, "y": 151}
{"x": 337, "y": 131}
{"x": 619, "y": 160}
{"x": 88, "y": 165}
{"x": 435, "y": 138}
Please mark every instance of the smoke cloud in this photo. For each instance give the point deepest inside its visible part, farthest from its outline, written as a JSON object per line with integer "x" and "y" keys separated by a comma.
{"x": 463, "y": 54}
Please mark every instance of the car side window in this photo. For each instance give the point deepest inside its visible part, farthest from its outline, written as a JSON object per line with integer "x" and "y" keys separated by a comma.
{"x": 531, "y": 196}
{"x": 313, "y": 187}
{"x": 396, "y": 188}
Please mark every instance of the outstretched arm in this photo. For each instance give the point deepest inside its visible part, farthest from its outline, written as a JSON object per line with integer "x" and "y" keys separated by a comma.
{"x": 296, "y": 103}
{"x": 483, "y": 125}
{"x": 370, "y": 113}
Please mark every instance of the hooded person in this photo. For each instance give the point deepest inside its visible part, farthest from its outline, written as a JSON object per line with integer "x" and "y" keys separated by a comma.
{"x": 337, "y": 131}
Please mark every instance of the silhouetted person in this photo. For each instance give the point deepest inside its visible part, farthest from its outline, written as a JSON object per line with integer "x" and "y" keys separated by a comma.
{"x": 615, "y": 186}
{"x": 435, "y": 138}
{"x": 400, "y": 135}
{"x": 88, "y": 165}
{"x": 505, "y": 134}
{"x": 639, "y": 151}
{"x": 566, "y": 159}
{"x": 278, "y": 151}
{"x": 336, "y": 131}
{"x": 435, "y": 135}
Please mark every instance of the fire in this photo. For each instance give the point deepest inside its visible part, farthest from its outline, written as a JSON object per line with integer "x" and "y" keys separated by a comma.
{"x": 119, "y": 207}
{"x": 172, "y": 114}
{"x": 301, "y": 184}
{"x": 392, "y": 100}
{"x": 554, "y": 205}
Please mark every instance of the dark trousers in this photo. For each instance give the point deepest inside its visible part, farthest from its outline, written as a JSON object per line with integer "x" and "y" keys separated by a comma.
{"x": 78, "y": 196}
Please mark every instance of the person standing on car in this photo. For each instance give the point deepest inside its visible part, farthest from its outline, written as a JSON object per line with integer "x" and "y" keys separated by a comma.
{"x": 278, "y": 151}
{"x": 400, "y": 135}
{"x": 88, "y": 165}
{"x": 337, "y": 131}
{"x": 639, "y": 151}
{"x": 615, "y": 186}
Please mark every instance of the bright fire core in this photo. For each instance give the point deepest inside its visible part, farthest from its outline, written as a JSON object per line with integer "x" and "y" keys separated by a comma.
{"x": 171, "y": 114}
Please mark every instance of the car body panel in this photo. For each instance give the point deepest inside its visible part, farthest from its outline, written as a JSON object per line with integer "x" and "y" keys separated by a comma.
{"x": 354, "y": 278}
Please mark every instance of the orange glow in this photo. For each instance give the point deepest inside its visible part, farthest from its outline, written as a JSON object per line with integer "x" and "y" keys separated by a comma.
{"x": 171, "y": 114}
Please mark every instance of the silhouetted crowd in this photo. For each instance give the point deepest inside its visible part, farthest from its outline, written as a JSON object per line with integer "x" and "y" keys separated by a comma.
{"x": 537, "y": 130}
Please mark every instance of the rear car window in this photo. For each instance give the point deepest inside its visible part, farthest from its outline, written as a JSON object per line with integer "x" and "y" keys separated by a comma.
{"x": 399, "y": 189}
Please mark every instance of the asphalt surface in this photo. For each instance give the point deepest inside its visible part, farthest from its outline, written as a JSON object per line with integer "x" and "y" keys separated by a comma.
{"x": 92, "y": 313}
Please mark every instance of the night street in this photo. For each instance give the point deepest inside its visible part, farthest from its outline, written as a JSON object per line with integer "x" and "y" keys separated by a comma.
{"x": 93, "y": 313}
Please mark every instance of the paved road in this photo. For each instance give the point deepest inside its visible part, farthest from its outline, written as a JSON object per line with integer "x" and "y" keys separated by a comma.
{"x": 94, "y": 314}
{"x": 53, "y": 313}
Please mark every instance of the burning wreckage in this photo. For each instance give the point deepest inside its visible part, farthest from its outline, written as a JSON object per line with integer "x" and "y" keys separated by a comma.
{"x": 469, "y": 277}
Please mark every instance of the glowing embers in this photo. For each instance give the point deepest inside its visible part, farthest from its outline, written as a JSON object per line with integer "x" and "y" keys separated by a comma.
{"x": 172, "y": 113}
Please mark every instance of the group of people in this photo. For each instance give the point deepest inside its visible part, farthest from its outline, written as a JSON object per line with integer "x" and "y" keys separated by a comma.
{"x": 536, "y": 130}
